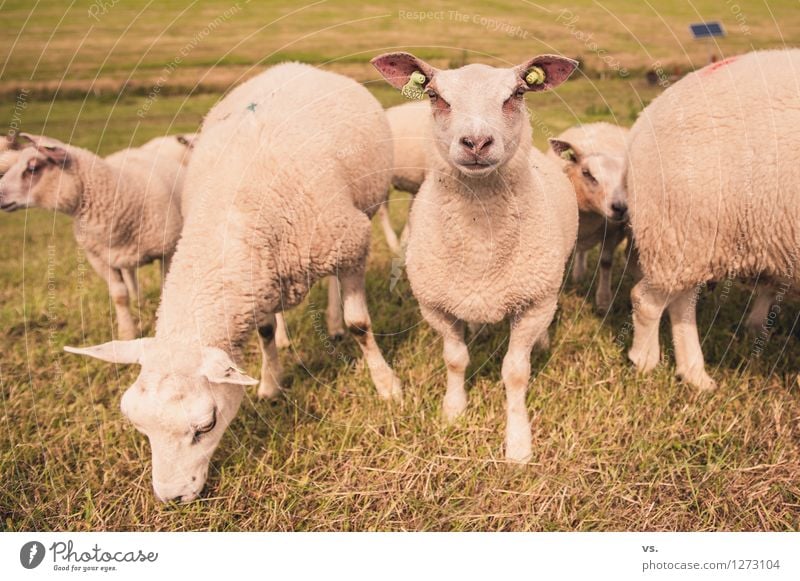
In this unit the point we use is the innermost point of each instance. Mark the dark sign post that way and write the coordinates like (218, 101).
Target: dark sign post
(706, 31)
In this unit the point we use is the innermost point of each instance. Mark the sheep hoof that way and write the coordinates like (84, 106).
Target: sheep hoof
(454, 407)
(391, 390)
(699, 379)
(268, 390)
(645, 361)
(603, 306)
(519, 450)
(336, 336)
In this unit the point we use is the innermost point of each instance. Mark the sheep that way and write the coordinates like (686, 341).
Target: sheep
(284, 178)
(125, 210)
(712, 193)
(411, 136)
(492, 225)
(593, 157)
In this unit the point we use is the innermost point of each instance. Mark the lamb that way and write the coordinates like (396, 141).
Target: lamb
(125, 209)
(593, 157)
(712, 193)
(284, 178)
(411, 136)
(493, 225)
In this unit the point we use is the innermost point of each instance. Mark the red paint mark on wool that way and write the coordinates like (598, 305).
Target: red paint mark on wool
(705, 71)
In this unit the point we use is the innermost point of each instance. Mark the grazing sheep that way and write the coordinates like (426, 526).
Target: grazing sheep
(593, 157)
(411, 135)
(713, 193)
(284, 178)
(492, 225)
(125, 210)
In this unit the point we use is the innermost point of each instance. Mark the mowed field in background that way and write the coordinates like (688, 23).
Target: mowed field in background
(612, 450)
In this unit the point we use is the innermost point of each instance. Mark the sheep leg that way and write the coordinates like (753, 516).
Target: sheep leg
(688, 352)
(281, 336)
(118, 290)
(132, 282)
(166, 262)
(762, 304)
(456, 358)
(603, 295)
(526, 330)
(648, 306)
(388, 230)
(579, 266)
(271, 370)
(356, 316)
(333, 315)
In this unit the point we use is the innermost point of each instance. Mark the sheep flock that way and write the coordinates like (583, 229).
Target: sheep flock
(277, 192)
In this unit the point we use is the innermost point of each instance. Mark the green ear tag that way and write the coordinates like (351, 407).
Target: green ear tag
(414, 88)
(568, 154)
(535, 76)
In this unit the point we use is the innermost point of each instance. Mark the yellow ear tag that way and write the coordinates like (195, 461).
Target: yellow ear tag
(414, 88)
(535, 76)
(568, 154)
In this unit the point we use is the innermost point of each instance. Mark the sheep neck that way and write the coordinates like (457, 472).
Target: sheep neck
(210, 297)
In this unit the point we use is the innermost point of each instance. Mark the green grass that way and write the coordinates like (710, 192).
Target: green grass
(612, 450)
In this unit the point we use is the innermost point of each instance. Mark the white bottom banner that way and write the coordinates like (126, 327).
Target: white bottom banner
(390, 556)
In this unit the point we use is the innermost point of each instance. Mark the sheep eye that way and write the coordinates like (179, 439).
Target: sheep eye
(588, 175)
(433, 95)
(31, 169)
(520, 92)
(200, 430)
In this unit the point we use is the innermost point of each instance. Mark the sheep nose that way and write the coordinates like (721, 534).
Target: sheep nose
(619, 209)
(477, 144)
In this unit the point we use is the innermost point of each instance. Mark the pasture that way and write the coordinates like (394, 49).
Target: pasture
(612, 450)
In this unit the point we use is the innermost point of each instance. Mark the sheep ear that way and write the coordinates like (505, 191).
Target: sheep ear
(556, 69)
(564, 150)
(12, 142)
(50, 148)
(218, 367)
(397, 68)
(114, 351)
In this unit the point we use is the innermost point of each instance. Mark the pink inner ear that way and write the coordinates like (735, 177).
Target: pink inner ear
(396, 67)
(557, 69)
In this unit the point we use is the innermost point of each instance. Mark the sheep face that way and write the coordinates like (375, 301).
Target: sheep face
(38, 178)
(598, 179)
(183, 401)
(479, 114)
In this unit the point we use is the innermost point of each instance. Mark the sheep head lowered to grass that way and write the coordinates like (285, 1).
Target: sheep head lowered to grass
(183, 413)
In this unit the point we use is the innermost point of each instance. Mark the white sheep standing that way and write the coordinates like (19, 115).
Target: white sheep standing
(494, 222)
(126, 210)
(714, 167)
(411, 137)
(593, 158)
(287, 171)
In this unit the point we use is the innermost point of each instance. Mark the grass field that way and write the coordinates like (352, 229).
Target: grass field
(612, 450)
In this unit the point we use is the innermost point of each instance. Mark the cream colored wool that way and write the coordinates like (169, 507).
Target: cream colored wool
(714, 167)
(126, 210)
(411, 136)
(493, 224)
(283, 180)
